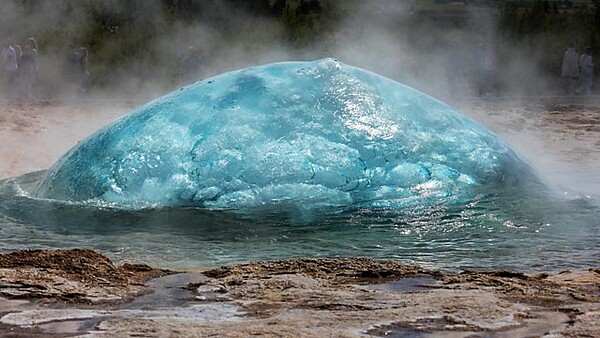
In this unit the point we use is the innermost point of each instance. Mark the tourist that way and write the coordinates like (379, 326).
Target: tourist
(485, 62)
(9, 56)
(18, 82)
(19, 54)
(192, 63)
(570, 69)
(586, 65)
(28, 71)
(71, 72)
(84, 72)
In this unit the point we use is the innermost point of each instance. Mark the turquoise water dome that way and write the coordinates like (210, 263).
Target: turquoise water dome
(290, 138)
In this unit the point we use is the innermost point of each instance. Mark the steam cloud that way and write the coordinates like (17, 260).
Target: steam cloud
(433, 53)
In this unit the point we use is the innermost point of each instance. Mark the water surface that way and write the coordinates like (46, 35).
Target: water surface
(492, 231)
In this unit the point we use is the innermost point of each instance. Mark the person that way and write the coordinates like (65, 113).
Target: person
(29, 69)
(570, 69)
(18, 82)
(71, 65)
(586, 66)
(9, 56)
(485, 62)
(84, 72)
(456, 69)
(192, 63)
(19, 54)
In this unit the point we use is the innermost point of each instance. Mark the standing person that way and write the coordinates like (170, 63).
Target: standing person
(192, 64)
(570, 69)
(84, 72)
(29, 68)
(18, 53)
(9, 56)
(586, 65)
(18, 81)
(71, 65)
(485, 62)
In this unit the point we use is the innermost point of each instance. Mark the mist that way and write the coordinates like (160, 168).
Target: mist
(136, 47)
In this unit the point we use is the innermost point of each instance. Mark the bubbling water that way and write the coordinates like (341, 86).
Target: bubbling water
(506, 229)
(300, 139)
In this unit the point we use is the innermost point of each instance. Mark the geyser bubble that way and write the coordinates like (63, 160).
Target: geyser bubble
(299, 139)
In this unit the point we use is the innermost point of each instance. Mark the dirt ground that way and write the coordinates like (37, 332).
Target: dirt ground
(569, 128)
(81, 293)
(34, 135)
(558, 136)
(78, 276)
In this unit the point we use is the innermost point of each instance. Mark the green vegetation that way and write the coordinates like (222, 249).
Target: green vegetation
(541, 32)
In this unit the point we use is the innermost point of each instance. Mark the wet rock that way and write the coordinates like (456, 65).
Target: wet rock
(301, 297)
(76, 275)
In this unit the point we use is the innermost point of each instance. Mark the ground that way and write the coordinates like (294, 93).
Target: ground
(34, 135)
(80, 292)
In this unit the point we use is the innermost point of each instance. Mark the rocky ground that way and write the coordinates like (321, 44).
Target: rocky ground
(81, 293)
(558, 136)
(71, 276)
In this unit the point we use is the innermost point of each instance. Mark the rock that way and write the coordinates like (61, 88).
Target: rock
(300, 297)
(76, 275)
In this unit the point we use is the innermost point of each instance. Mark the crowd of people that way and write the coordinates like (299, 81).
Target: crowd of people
(76, 69)
(21, 67)
(577, 71)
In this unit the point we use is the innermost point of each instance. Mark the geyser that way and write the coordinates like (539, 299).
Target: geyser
(286, 138)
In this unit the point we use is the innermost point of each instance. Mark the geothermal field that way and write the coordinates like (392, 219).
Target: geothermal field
(299, 168)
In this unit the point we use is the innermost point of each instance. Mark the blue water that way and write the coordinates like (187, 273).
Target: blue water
(299, 159)
(299, 139)
(491, 231)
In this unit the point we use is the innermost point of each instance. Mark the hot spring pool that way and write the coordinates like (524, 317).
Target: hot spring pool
(525, 235)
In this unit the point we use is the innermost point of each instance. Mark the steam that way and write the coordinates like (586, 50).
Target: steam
(437, 55)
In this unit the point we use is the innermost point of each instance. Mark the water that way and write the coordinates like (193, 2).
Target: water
(499, 232)
(300, 139)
